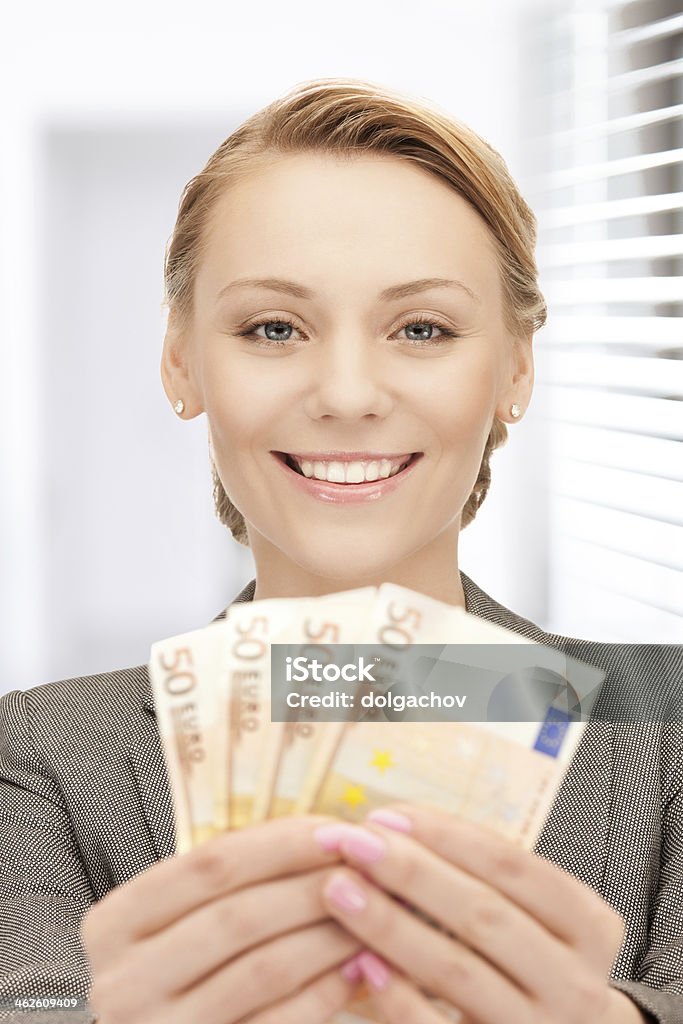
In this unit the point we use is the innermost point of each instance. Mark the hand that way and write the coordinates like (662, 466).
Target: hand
(235, 929)
(527, 942)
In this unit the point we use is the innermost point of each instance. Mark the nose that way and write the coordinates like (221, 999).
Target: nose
(349, 379)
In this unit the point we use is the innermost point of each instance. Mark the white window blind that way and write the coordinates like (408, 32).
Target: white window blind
(609, 196)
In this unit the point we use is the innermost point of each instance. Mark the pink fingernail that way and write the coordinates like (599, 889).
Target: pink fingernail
(351, 970)
(390, 819)
(345, 894)
(374, 970)
(364, 846)
(330, 836)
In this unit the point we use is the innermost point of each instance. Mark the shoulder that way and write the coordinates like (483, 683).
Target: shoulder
(117, 700)
(643, 681)
(80, 706)
(481, 604)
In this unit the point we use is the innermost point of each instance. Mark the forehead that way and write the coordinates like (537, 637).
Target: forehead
(371, 215)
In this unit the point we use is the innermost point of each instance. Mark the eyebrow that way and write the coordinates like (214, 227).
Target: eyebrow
(397, 291)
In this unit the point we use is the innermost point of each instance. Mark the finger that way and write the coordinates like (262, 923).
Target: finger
(314, 1004)
(567, 907)
(252, 981)
(476, 913)
(397, 999)
(217, 932)
(439, 963)
(172, 888)
(263, 975)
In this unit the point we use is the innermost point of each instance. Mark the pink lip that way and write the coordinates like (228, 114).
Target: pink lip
(347, 493)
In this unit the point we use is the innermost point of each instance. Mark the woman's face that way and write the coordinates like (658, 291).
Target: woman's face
(359, 356)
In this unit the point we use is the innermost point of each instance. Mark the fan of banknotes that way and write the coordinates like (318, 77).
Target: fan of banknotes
(232, 762)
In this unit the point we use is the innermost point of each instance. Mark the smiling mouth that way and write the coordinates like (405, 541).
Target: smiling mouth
(344, 473)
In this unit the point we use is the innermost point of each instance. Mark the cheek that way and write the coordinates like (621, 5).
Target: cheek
(228, 428)
(239, 403)
(461, 402)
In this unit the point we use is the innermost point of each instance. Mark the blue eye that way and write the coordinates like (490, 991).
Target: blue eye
(429, 323)
(278, 326)
(282, 324)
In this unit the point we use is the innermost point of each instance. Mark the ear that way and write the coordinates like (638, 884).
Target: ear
(176, 371)
(521, 383)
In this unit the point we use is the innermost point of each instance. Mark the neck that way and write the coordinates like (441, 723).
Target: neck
(432, 571)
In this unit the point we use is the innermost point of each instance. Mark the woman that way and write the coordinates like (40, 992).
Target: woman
(351, 279)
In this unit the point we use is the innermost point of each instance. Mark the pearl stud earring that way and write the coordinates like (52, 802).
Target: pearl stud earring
(179, 406)
(515, 411)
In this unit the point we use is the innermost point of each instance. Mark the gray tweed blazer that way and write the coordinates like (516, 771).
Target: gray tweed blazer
(85, 806)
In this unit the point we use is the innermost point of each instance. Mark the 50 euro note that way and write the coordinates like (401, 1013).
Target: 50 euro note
(244, 694)
(193, 731)
(398, 619)
(504, 775)
(497, 774)
(332, 624)
(263, 751)
(404, 619)
(399, 622)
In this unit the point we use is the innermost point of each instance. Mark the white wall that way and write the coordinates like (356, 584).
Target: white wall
(109, 540)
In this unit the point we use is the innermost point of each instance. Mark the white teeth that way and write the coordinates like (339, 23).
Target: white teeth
(354, 473)
(350, 472)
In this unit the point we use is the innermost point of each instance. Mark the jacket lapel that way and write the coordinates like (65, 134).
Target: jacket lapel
(149, 771)
(576, 830)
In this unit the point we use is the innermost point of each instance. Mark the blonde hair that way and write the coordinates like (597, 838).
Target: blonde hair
(349, 117)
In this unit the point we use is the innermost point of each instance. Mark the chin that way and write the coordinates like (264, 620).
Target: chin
(349, 563)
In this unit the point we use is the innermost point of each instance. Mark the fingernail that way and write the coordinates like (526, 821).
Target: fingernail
(390, 819)
(374, 970)
(329, 837)
(351, 970)
(364, 846)
(345, 894)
